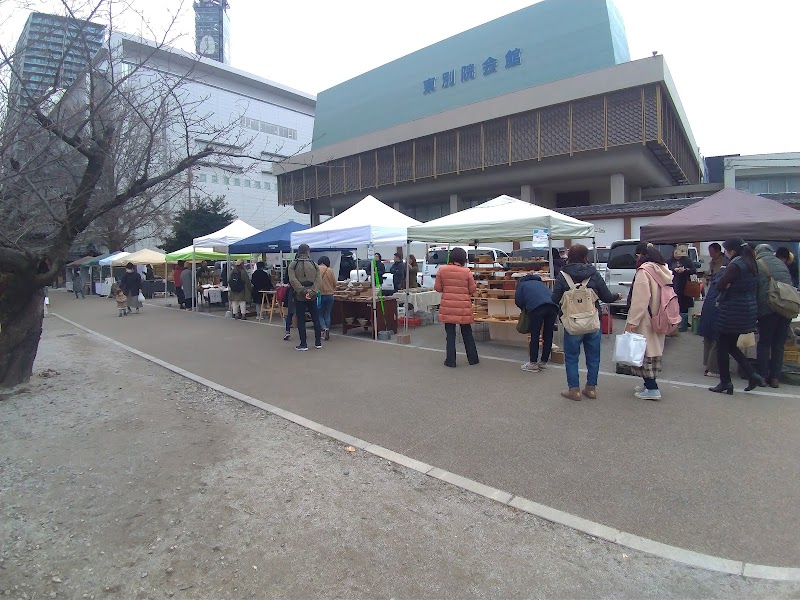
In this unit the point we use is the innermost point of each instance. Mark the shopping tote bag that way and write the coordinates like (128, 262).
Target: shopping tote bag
(629, 349)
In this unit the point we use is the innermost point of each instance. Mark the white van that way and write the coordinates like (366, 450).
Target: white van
(437, 256)
(621, 266)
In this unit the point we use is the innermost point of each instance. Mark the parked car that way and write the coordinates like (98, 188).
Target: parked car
(437, 256)
(621, 267)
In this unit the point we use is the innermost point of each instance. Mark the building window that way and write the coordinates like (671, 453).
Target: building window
(226, 180)
(257, 183)
(266, 185)
(571, 199)
(202, 178)
(214, 179)
(235, 181)
(777, 185)
(269, 128)
(793, 184)
(246, 183)
(757, 186)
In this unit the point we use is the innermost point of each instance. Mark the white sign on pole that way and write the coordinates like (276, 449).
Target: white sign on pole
(540, 238)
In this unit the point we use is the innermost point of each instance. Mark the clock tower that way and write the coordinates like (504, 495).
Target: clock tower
(212, 30)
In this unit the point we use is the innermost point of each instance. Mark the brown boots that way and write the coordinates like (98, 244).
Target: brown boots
(590, 391)
(572, 394)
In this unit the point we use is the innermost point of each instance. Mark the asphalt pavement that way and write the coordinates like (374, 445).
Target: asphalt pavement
(711, 473)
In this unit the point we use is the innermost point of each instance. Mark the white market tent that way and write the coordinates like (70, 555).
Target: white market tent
(367, 223)
(370, 222)
(503, 219)
(108, 261)
(220, 242)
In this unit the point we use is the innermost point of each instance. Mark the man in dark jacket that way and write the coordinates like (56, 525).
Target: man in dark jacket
(261, 282)
(306, 281)
(534, 298)
(131, 285)
(772, 327)
(398, 271)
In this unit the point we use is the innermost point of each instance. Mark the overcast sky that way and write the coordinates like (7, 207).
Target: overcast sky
(734, 63)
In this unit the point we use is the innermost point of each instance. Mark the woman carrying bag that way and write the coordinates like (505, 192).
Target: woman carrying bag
(652, 274)
(737, 312)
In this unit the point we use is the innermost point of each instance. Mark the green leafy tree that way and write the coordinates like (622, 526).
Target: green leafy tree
(206, 216)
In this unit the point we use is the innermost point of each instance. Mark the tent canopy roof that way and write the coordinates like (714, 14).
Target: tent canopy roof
(109, 260)
(370, 221)
(727, 213)
(276, 239)
(199, 254)
(93, 262)
(503, 219)
(80, 261)
(141, 257)
(230, 234)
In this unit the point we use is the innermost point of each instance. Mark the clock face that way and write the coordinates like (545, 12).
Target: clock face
(207, 46)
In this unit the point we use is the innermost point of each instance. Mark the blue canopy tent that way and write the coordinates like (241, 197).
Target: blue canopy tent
(277, 239)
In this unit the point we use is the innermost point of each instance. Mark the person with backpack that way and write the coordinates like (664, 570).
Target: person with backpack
(737, 307)
(578, 290)
(654, 312)
(306, 281)
(239, 290)
(773, 327)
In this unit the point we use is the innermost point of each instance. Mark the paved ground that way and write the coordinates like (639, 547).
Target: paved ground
(119, 479)
(711, 473)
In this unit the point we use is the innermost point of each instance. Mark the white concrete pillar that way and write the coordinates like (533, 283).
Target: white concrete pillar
(729, 175)
(617, 182)
(527, 194)
(455, 203)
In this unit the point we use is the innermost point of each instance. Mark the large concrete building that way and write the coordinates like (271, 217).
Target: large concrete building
(52, 51)
(276, 122)
(542, 104)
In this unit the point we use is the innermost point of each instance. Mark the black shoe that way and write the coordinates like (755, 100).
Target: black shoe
(722, 388)
(447, 364)
(755, 381)
(474, 363)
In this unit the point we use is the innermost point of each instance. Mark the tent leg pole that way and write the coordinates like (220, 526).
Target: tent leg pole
(194, 281)
(408, 286)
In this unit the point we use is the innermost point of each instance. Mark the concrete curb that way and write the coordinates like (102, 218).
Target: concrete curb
(621, 538)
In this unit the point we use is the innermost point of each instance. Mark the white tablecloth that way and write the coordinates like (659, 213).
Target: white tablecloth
(422, 301)
(214, 294)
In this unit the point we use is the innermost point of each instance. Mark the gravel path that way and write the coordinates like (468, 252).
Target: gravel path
(119, 479)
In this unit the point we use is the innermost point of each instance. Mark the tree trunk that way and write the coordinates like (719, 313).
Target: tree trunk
(19, 341)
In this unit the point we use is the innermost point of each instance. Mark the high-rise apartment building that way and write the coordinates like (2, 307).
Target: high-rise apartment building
(51, 52)
(212, 30)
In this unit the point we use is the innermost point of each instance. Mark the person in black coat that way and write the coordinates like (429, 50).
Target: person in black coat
(398, 271)
(708, 326)
(131, 285)
(261, 282)
(682, 270)
(737, 309)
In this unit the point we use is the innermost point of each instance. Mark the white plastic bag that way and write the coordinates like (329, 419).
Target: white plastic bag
(629, 349)
(141, 298)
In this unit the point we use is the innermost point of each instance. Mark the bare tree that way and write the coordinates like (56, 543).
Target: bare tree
(105, 151)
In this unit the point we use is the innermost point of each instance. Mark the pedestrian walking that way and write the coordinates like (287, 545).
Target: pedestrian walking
(306, 281)
(328, 285)
(737, 306)
(122, 303)
(652, 276)
(239, 290)
(682, 270)
(77, 283)
(176, 279)
(187, 285)
(708, 326)
(535, 299)
(576, 275)
(456, 285)
(288, 302)
(131, 285)
(773, 328)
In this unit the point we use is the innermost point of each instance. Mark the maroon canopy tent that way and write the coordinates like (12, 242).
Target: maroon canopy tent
(726, 214)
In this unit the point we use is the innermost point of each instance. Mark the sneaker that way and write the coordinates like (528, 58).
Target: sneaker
(649, 395)
(137, 311)
(287, 335)
(318, 346)
(542, 366)
(301, 348)
(530, 367)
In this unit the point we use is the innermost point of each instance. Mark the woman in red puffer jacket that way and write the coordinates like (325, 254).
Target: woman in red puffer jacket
(456, 284)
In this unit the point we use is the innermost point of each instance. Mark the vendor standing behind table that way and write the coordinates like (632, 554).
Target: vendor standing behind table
(413, 271)
(398, 271)
(204, 274)
(682, 270)
(262, 282)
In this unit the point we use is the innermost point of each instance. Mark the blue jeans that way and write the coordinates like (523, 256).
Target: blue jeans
(326, 306)
(572, 353)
